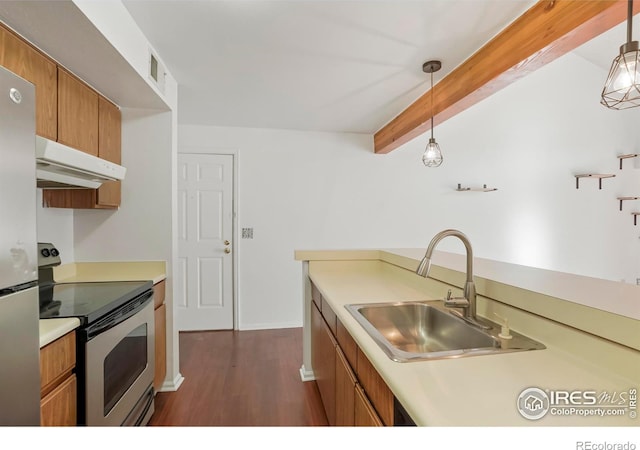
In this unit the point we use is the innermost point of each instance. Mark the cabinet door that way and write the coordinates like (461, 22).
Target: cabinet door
(77, 114)
(59, 407)
(324, 363)
(108, 196)
(57, 360)
(21, 58)
(109, 148)
(161, 347)
(377, 390)
(365, 415)
(345, 391)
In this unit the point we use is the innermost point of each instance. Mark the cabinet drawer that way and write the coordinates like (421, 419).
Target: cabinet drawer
(316, 296)
(58, 408)
(347, 344)
(57, 360)
(329, 317)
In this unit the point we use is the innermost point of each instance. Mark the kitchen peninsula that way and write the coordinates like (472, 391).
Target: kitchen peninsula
(592, 344)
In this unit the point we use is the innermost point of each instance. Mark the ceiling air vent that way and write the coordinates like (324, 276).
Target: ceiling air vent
(156, 71)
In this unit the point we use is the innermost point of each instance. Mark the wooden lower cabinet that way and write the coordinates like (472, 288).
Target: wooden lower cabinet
(324, 363)
(352, 391)
(59, 407)
(345, 391)
(377, 390)
(160, 324)
(161, 347)
(365, 414)
(58, 383)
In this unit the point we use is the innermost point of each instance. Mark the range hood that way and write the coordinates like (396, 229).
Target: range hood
(61, 167)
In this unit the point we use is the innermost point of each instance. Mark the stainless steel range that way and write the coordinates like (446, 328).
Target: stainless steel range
(115, 342)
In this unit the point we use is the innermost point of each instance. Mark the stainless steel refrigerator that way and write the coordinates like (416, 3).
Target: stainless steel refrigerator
(19, 310)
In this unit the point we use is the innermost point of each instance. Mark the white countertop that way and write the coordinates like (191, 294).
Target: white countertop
(52, 329)
(478, 390)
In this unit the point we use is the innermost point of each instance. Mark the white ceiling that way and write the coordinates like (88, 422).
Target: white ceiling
(325, 65)
(312, 64)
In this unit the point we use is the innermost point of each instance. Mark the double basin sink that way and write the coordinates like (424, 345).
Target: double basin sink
(418, 331)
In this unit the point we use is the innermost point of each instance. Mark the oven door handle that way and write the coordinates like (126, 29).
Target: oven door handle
(118, 316)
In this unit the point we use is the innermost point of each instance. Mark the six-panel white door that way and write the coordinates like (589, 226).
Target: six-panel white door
(205, 235)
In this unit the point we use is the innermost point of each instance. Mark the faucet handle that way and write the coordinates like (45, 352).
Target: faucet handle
(455, 302)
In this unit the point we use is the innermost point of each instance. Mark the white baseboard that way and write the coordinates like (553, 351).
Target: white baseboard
(269, 326)
(173, 385)
(306, 375)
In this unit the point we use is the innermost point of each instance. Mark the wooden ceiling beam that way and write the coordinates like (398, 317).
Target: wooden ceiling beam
(549, 29)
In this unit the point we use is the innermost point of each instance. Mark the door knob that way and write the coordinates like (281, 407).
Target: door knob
(226, 242)
(227, 250)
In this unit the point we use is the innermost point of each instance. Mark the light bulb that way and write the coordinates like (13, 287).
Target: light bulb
(432, 156)
(622, 88)
(625, 75)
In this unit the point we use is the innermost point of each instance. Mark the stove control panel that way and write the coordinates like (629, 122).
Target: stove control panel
(48, 255)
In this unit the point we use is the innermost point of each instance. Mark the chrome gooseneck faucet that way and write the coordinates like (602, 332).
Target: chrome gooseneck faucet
(469, 301)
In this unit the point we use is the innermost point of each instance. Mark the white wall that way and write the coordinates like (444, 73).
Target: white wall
(139, 229)
(304, 190)
(55, 225)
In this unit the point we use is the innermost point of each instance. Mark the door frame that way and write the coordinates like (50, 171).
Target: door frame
(235, 155)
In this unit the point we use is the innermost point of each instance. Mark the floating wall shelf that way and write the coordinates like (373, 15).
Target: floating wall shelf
(600, 176)
(626, 198)
(630, 155)
(484, 188)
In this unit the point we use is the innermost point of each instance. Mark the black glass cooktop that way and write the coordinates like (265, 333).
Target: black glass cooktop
(87, 301)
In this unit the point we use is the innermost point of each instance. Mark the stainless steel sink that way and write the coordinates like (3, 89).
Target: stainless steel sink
(414, 331)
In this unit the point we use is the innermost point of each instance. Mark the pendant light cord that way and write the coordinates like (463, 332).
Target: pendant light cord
(629, 20)
(432, 104)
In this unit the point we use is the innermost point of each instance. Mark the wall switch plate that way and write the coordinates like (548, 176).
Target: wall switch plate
(247, 233)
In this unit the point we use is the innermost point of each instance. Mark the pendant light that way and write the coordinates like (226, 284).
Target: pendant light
(432, 156)
(622, 89)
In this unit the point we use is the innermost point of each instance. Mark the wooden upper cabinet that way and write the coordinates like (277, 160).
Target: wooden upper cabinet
(21, 58)
(71, 112)
(77, 113)
(109, 148)
(108, 133)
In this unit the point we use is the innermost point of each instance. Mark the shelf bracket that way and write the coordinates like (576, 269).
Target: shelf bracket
(635, 217)
(623, 157)
(599, 176)
(484, 188)
(626, 198)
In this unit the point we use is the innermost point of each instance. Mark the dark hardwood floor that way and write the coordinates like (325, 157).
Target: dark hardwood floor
(241, 378)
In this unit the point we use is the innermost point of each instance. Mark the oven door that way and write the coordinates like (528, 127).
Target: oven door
(119, 369)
